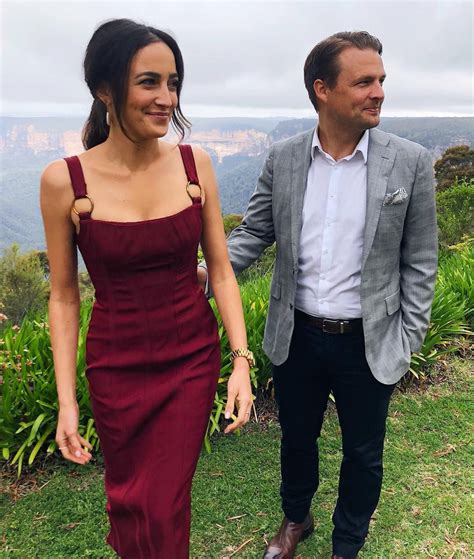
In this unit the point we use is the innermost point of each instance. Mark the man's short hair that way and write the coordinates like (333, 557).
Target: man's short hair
(322, 61)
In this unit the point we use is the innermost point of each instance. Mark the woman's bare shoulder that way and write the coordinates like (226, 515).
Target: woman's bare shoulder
(55, 177)
(200, 155)
(203, 162)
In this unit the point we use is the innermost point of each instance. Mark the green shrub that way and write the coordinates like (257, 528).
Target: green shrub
(231, 221)
(456, 163)
(447, 323)
(452, 311)
(261, 267)
(455, 213)
(456, 275)
(23, 285)
(28, 411)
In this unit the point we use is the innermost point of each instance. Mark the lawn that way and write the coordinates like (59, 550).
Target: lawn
(425, 510)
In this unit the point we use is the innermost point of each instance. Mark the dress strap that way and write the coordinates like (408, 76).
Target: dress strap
(190, 168)
(78, 184)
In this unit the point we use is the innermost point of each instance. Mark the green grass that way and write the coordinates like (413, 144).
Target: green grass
(425, 509)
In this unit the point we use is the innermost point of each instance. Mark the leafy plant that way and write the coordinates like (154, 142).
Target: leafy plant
(457, 162)
(456, 276)
(23, 285)
(447, 323)
(28, 411)
(455, 212)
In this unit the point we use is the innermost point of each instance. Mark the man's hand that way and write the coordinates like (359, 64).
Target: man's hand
(202, 277)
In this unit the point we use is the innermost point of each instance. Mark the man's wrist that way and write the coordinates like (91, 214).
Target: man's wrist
(203, 266)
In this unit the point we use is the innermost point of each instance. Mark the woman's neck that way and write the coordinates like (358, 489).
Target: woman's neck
(135, 156)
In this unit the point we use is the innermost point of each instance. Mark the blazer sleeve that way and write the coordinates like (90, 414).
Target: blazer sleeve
(247, 241)
(419, 254)
(256, 232)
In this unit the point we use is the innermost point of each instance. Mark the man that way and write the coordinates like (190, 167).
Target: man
(352, 212)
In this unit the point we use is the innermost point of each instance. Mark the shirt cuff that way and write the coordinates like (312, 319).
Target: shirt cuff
(206, 287)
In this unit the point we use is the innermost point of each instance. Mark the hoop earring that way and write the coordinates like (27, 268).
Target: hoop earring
(107, 119)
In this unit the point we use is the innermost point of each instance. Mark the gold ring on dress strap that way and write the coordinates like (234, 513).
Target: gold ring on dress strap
(74, 205)
(193, 184)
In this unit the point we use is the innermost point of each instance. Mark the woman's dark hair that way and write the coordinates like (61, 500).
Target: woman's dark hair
(107, 63)
(322, 61)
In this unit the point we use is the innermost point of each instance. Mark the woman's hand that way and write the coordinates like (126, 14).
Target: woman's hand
(69, 442)
(239, 391)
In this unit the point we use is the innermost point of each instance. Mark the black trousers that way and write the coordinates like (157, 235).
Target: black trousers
(319, 363)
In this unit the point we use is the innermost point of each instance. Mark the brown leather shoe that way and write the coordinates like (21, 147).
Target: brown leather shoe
(283, 545)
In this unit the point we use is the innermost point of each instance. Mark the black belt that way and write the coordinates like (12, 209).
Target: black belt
(331, 325)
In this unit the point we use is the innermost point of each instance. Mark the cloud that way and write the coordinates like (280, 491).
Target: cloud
(242, 54)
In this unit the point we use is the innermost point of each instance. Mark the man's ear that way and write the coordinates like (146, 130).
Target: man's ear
(320, 89)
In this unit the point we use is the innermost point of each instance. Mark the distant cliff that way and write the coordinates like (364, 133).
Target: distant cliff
(237, 147)
(435, 134)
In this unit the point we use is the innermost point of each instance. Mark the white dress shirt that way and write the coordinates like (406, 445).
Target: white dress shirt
(332, 235)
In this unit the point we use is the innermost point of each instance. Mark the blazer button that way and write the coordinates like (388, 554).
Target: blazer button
(291, 306)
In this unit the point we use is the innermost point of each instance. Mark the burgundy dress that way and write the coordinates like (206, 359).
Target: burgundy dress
(153, 361)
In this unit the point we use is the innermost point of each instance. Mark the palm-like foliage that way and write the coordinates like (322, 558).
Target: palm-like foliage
(28, 411)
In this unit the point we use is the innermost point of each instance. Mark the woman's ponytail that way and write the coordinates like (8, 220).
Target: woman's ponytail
(96, 129)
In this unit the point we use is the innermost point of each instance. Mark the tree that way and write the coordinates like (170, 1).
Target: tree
(23, 287)
(455, 210)
(42, 256)
(456, 164)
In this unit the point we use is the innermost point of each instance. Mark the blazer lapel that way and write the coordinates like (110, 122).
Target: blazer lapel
(380, 160)
(300, 161)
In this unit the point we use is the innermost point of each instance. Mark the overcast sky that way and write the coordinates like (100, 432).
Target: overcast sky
(242, 58)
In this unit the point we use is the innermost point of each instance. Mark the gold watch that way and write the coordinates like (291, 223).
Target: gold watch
(241, 352)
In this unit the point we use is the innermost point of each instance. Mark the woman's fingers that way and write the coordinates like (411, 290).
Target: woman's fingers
(242, 418)
(240, 390)
(229, 408)
(71, 449)
(85, 443)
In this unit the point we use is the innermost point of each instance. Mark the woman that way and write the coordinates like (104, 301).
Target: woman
(137, 207)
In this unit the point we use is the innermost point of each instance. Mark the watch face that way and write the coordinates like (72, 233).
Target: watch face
(252, 359)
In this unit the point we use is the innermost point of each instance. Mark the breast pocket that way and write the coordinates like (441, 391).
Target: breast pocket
(394, 211)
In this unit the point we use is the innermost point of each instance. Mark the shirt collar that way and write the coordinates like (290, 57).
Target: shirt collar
(362, 146)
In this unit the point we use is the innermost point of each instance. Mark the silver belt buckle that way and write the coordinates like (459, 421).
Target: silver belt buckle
(333, 321)
(341, 324)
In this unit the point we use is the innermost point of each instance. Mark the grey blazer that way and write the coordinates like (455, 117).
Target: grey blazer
(399, 259)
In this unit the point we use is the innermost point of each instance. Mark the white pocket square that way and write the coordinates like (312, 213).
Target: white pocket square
(397, 197)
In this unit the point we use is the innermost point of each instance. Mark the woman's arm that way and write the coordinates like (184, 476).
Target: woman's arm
(56, 199)
(225, 289)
